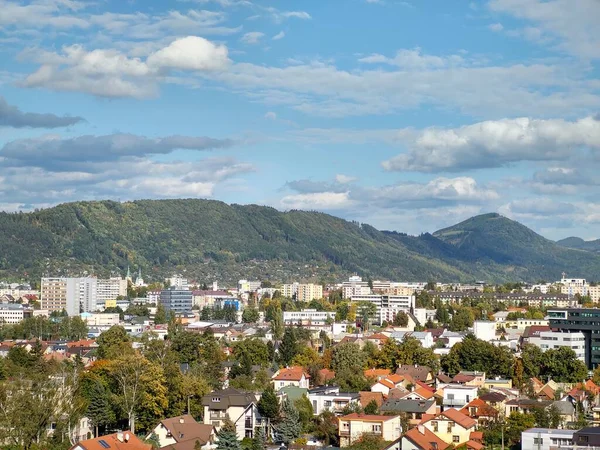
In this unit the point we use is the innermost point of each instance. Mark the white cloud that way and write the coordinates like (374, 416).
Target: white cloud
(496, 27)
(190, 53)
(40, 15)
(111, 73)
(252, 37)
(495, 144)
(413, 59)
(279, 36)
(344, 179)
(574, 25)
(317, 200)
(271, 115)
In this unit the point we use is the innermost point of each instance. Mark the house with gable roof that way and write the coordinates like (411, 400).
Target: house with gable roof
(175, 430)
(451, 426)
(239, 406)
(291, 376)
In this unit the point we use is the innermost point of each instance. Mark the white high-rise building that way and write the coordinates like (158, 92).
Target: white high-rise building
(179, 282)
(110, 289)
(75, 295)
(355, 286)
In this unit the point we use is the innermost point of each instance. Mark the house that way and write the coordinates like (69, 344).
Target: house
(498, 383)
(238, 405)
(417, 373)
(117, 441)
(414, 409)
(378, 339)
(329, 398)
(353, 426)
(457, 395)
(377, 374)
(384, 385)
(421, 438)
(291, 376)
(417, 394)
(367, 397)
(565, 409)
(451, 426)
(547, 438)
(325, 376)
(182, 429)
(469, 378)
(480, 411)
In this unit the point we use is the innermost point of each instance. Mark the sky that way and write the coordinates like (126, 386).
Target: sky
(407, 115)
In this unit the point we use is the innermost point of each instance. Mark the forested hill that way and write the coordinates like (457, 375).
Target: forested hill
(207, 240)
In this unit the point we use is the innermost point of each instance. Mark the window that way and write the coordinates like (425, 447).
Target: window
(455, 438)
(376, 428)
(539, 441)
(216, 399)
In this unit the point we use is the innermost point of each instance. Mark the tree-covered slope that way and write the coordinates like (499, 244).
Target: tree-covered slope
(580, 244)
(209, 240)
(515, 249)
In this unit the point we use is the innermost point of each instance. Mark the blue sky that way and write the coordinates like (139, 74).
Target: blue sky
(408, 115)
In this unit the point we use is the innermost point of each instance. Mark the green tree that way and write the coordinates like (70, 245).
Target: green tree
(401, 319)
(277, 327)
(259, 442)
(516, 423)
(113, 343)
(161, 315)
(372, 407)
(100, 410)
(462, 320)
(289, 427)
(305, 412)
(250, 315)
(227, 437)
(347, 356)
(268, 405)
(289, 347)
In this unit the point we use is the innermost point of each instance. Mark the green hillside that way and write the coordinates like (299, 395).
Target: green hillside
(208, 240)
(580, 244)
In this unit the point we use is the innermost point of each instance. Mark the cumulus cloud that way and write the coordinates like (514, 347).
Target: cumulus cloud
(252, 37)
(496, 144)
(279, 36)
(190, 53)
(317, 200)
(12, 116)
(56, 153)
(414, 59)
(111, 73)
(344, 179)
(496, 27)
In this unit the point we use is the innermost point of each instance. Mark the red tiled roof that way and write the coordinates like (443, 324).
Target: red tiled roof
(326, 375)
(291, 374)
(458, 417)
(134, 443)
(380, 336)
(425, 439)
(473, 445)
(366, 397)
(376, 373)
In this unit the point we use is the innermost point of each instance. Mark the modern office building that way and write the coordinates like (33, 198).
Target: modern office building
(580, 320)
(176, 300)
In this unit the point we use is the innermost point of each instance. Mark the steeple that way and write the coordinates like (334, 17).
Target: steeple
(128, 276)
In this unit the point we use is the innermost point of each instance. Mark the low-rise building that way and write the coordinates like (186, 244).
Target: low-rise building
(353, 426)
(451, 426)
(291, 376)
(546, 438)
(175, 430)
(421, 438)
(329, 398)
(457, 395)
(239, 406)
(308, 317)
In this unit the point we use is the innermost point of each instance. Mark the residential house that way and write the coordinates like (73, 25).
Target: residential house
(565, 409)
(353, 426)
(417, 373)
(480, 411)
(329, 398)
(421, 438)
(184, 428)
(291, 376)
(498, 383)
(587, 437)
(418, 394)
(451, 426)
(414, 409)
(367, 397)
(496, 400)
(378, 339)
(457, 395)
(469, 378)
(325, 376)
(384, 385)
(238, 405)
(117, 441)
(377, 374)
(547, 439)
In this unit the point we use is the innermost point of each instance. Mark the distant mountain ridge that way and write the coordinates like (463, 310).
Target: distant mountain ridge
(209, 240)
(580, 244)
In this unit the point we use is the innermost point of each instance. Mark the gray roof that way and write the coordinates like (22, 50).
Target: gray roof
(409, 406)
(564, 408)
(228, 397)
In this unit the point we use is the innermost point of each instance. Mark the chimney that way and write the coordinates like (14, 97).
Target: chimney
(126, 437)
(181, 420)
(421, 429)
(120, 437)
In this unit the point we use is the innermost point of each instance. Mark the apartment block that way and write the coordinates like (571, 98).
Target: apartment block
(308, 317)
(302, 292)
(109, 289)
(353, 426)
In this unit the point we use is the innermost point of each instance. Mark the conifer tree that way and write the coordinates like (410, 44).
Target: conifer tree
(290, 427)
(227, 437)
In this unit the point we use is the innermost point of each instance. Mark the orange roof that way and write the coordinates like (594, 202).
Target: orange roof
(367, 417)
(476, 435)
(387, 383)
(82, 343)
(366, 397)
(482, 409)
(376, 373)
(396, 378)
(473, 445)
(380, 336)
(113, 441)
(326, 375)
(458, 417)
(425, 386)
(425, 393)
(424, 439)
(294, 373)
